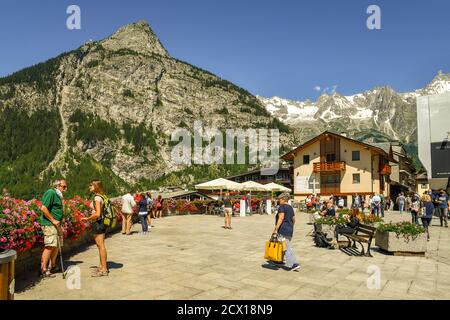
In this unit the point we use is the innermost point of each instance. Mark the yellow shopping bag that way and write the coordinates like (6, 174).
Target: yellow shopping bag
(274, 250)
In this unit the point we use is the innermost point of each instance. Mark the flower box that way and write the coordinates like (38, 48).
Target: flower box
(400, 243)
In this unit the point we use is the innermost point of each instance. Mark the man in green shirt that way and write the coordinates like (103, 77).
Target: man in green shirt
(52, 213)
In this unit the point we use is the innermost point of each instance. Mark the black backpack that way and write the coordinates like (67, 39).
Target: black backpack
(321, 241)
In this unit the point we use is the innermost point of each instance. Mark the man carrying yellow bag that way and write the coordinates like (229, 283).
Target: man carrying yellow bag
(284, 229)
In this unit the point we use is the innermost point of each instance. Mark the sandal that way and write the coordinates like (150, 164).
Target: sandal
(100, 273)
(47, 274)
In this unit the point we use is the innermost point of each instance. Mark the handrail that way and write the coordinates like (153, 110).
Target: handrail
(329, 166)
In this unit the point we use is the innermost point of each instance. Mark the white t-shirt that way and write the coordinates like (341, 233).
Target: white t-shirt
(96, 199)
(128, 203)
(376, 200)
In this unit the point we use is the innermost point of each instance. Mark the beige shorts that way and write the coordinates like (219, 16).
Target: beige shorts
(51, 236)
(228, 211)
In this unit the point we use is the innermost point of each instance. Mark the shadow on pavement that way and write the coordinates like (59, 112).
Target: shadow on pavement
(354, 252)
(31, 279)
(272, 266)
(114, 265)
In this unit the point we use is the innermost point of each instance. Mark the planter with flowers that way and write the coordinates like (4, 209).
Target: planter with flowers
(401, 238)
(170, 207)
(200, 205)
(185, 207)
(370, 219)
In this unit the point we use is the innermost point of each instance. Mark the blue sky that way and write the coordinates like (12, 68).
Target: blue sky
(283, 48)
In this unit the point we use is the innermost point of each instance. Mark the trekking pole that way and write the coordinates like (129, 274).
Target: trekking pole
(60, 257)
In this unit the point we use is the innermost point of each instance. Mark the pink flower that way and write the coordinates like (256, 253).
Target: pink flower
(3, 239)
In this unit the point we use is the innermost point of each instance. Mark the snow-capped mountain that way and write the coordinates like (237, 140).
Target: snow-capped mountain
(380, 110)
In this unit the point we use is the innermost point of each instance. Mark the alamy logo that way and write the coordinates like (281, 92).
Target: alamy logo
(374, 279)
(73, 278)
(374, 20)
(206, 146)
(74, 20)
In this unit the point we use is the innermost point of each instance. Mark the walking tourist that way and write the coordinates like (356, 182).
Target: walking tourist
(408, 202)
(97, 226)
(401, 202)
(376, 204)
(284, 226)
(443, 201)
(415, 207)
(356, 201)
(50, 220)
(143, 213)
(341, 203)
(159, 206)
(228, 210)
(318, 202)
(427, 203)
(363, 204)
(308, 202)
(149, 209)
(128, 204)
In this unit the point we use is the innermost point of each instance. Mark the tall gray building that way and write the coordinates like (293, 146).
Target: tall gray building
(433, 126)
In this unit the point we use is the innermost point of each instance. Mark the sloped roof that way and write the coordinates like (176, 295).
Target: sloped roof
(386, 146)
(290, 155)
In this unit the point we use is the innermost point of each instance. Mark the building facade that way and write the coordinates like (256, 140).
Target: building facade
(433, 138)
(283, 177)
(333, 164)
(422, 183)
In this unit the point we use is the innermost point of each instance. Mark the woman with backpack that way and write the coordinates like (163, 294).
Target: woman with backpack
(159, 206)
(98, 226)
(415, 207)
(427, 209)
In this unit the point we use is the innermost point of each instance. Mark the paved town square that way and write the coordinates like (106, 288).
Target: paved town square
(193, 257)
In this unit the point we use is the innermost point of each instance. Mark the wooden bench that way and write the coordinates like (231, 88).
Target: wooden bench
(363, 233)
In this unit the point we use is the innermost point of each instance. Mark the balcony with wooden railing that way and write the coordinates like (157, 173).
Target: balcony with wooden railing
(386, 170)
(328, 166)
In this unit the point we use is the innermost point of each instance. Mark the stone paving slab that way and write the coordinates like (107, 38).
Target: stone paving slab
(192, 257)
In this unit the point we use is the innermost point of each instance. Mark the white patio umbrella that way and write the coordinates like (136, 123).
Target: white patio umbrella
(252, 186)
(219, 184)
(274, 187)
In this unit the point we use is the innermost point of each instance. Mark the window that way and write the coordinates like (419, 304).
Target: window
(331, 157)
(356, 156)
(356, 178)
(424, 186)
(306, 159)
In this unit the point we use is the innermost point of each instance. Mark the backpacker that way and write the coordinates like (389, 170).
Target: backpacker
(109, 215)
(321, 240)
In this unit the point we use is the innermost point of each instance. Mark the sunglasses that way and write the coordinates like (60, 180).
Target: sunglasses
(64, 187)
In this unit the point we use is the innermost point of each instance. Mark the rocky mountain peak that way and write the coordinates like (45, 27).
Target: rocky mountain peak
(439, 84)
(138, 37)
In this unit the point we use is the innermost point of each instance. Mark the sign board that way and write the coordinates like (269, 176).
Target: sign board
(434, 134)
(440, 159)
(306, 184)
(269, 206)
(242, 209)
